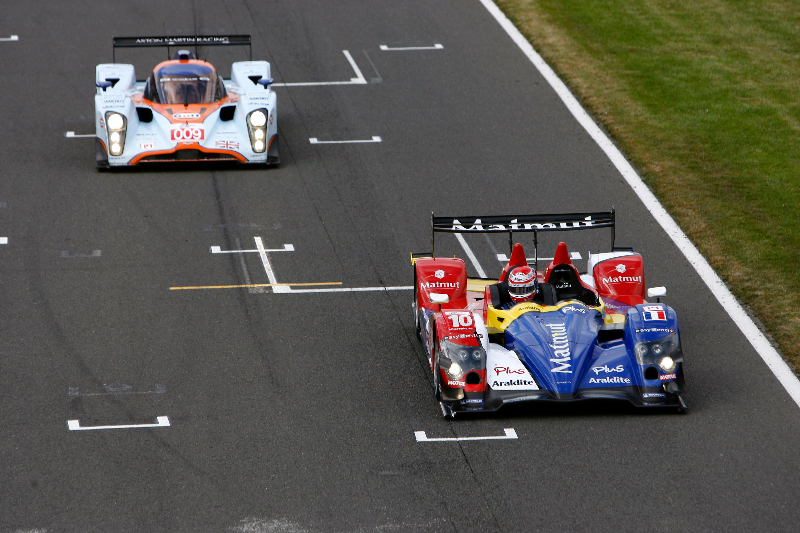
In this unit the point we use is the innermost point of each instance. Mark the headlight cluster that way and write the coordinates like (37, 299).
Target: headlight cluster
(116, 126)
(664, 352)
(257, 126)
(457, 359)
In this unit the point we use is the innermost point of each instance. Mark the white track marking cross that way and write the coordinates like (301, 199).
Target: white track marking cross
(358, 80)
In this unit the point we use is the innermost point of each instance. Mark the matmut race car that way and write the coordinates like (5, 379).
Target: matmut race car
(580, 337)
(184, 110)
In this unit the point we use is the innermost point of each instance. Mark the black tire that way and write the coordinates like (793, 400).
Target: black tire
(437, 386)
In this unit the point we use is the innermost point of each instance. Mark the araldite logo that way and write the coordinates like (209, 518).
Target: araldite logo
(454, 383)
(560, 347)
(507, 370)
(187, 132)
(654, 312)
(615, 380)
(514, 383)
(667, 377)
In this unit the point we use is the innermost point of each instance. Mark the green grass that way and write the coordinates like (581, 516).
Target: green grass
(704, 97)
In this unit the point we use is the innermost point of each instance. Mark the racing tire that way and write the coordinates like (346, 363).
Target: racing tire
(415, 307)
(437, 386)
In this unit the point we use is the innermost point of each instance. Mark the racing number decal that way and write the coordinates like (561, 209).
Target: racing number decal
(187, 133)
(463, 321)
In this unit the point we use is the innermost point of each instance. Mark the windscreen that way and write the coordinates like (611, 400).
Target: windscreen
(187, 83)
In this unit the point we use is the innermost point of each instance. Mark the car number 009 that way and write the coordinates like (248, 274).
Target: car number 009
(187, 134)
(461, 320)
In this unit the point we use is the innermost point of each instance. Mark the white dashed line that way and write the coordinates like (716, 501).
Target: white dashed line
(436, 46)
(73, 135)
(75, 425)
(422, 437)
(12, 38)
(375, 139)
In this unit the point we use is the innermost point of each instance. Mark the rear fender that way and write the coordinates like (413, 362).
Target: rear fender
(619, 276)
(441, 275)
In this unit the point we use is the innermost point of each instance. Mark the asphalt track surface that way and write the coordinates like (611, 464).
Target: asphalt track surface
(296, 412)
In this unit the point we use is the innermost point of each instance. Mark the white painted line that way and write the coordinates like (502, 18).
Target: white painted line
(3, 240)
(110, 390)
(75, 425)
(575, 256)
(72, 134)
(95, 253)
(728, 301)
(375, 139)
(12, 38)
(268, 268)
(436, 46)
(471, 256)
(422, 437)
(352, 289)
(218, 250)
(358, 80)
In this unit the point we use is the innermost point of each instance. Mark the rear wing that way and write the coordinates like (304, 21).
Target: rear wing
(521, 223)
(173, 41)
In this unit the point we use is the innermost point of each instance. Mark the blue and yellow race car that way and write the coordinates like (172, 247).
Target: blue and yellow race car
(545, 335)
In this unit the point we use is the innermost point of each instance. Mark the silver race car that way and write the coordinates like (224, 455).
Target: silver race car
(184, 110)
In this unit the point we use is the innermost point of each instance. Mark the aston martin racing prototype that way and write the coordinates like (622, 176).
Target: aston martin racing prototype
(184, 110)
(549, 335)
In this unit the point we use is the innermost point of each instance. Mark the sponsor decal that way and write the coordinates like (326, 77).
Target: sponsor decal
(607, 370)
(573, 309)
(654, 312)
(271, 118)
(472, 400)
(560, 347)
(439, 274)
(187, 132)
(462, 336)
(615, 379)
(622, 279)
(228, 145)
(438, 285)
(654, 395)
(621, 268)
(667, 377)
(102, 123)
(186, 116)
(477, 225)
(660, 330)
(508, 370)
(513, 383)
(456, 383)
(460, 319)
(147, 146)
(181, 40)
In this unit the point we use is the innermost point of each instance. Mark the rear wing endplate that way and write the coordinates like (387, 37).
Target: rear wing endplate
(189, 40)
(522, 223)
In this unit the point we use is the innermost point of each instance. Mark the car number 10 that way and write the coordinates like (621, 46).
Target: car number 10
(463, 321)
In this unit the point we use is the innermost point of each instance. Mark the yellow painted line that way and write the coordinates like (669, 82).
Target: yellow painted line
(254, 285)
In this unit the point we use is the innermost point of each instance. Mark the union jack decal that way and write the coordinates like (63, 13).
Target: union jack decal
(228, 145)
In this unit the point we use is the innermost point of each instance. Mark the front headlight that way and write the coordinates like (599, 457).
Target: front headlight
(667, 364)
(116, 126)
(455, 371)
(257, 126)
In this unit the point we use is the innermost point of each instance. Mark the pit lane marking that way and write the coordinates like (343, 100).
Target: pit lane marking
(375, 139)
(436, 46)
(721, 292)
(422, 437)
(503, 258)
(358, 80)
(12, 38)
(162, 421)
(73, 135)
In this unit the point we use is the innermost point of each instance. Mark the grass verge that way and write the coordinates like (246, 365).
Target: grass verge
(703, 96)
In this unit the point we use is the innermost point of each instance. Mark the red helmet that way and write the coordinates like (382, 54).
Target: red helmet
(521, 284)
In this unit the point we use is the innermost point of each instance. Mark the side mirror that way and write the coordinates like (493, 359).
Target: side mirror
(656, 292)
(266, 82)
(437, 298)
(103, 84)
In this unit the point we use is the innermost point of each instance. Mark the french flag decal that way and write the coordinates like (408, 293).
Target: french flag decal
(654, 312)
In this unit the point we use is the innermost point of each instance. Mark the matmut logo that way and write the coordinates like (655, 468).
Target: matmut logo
(438, 285)
(622, 279)
(560, 348)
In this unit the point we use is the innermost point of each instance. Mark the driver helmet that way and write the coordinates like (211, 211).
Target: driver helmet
(521, 284)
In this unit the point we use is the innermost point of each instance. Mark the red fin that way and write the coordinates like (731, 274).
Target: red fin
(562, 255)
(517, 259)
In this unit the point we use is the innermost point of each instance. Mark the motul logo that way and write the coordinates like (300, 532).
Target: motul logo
(623, 279)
